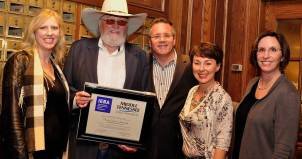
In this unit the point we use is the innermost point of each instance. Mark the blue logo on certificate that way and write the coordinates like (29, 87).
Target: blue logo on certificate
(103, 104)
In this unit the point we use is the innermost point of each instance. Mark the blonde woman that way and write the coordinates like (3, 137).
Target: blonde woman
(35, 111)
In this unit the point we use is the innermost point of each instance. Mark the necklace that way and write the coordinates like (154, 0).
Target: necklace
(261, 85)
(198, 96)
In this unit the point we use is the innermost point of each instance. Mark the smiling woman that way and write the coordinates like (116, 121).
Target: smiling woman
(206, 118)
(47, 36)
(271, 104)
(35, 113)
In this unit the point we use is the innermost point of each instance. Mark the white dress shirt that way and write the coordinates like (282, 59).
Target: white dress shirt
(111, 67)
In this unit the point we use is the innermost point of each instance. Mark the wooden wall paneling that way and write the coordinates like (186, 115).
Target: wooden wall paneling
(234, 48)
(154, 8)
(197, 18)
(78, 21)
(90, 2)
(203, 21)
(215, 24)
(206, 23)
(155, 5)
(252, 30)
(133, 9)
(208, 20)
(186, 22)
(220, 23)
(277, 10)
(242, 29)
(269, 18)
(158, 5)
(219, 32)
(262, 17)
(176, 15)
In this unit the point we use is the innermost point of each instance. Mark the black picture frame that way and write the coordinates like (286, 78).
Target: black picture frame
(147, 97)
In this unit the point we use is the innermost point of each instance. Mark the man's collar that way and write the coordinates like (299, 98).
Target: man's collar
(155, 59)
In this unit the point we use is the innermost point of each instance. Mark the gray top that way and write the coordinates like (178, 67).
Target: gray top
(272, 124)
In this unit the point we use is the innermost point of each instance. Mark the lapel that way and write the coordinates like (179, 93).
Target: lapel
(62, 79)
(91, 61)
(131, 63)
(179, 70)
(178, 73)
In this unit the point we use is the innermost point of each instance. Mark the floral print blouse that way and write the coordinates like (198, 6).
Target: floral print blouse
(208, 125)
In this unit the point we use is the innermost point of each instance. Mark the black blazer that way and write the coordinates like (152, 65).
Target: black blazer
(166, 139)
(81, 67)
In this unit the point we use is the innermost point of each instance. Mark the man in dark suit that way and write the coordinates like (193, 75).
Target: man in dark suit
(172, 78)
(109, 61)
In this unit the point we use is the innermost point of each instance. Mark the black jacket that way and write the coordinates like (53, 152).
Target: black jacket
(81, 66)
(166, 140)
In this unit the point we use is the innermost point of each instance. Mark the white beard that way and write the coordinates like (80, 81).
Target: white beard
(113, 40)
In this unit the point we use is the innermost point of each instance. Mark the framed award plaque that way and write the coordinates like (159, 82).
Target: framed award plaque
(116, 116)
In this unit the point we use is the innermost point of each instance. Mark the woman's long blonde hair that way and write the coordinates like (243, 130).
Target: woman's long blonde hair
(30, 39)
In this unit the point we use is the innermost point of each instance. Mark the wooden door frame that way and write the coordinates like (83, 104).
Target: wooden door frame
(274, 11)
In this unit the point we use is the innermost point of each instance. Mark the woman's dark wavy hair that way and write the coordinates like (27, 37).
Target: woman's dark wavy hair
(284, 50)
(208, 50)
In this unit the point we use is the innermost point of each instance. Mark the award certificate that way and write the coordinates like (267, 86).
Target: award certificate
(117, 116)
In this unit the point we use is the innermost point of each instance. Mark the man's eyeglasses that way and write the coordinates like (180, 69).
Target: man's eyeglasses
(272, 50)
(113, 21)
(159, 36)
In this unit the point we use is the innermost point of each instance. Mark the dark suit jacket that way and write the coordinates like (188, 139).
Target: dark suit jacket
(166, 140)
(81, 67)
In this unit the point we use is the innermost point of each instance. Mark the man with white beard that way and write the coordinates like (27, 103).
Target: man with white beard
(108, 61)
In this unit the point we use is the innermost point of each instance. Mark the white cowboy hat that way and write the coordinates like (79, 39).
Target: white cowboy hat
(90, 16)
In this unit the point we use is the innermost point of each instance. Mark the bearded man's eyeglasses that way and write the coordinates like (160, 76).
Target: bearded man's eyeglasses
(113, 21)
